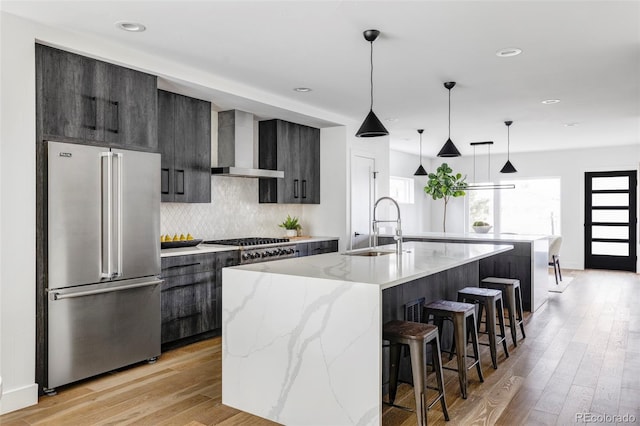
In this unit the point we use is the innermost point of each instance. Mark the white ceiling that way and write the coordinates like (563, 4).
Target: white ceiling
(587, 54)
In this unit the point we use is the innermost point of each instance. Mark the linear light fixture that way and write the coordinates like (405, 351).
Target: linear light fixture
(473, 186)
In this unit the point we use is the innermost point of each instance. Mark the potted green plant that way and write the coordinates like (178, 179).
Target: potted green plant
(443, 184)
(291, 225)
(481, 226)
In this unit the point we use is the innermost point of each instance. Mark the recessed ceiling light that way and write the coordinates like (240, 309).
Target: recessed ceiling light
(302, 89)
(550, 101)
(133, 27)
(571, 124)
(508, 51)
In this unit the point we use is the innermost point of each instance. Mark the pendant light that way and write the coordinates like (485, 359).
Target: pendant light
(508, 167)
(421, 171)
(371, 126)
(449, 149)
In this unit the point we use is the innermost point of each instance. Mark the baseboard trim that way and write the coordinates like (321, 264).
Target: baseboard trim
(16, 399)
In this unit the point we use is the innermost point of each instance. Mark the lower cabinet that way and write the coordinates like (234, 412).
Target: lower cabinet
(192, 294)
(316, 247)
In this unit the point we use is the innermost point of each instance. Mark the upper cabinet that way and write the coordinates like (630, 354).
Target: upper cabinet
(294, 149)
(83, 100)
(184, 140)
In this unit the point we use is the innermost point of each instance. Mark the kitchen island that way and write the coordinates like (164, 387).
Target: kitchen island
(302, 338)
(527, 262)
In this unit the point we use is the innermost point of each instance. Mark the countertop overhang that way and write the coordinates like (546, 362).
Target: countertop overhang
(420, 259)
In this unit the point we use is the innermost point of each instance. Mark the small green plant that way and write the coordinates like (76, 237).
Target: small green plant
(480, 223)
(290, 223)
(444, 184)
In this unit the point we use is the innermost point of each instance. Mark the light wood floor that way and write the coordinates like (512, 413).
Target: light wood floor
(581, 355)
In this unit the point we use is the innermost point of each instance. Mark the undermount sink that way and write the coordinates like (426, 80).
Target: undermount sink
(369, 253)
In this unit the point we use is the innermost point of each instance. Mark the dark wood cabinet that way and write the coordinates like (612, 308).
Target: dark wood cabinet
(316, 247)
(84, 100)
(184, 140)
(294, 149)
(192, 294)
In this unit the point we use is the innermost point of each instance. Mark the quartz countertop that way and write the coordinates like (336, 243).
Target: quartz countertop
(212, 248)
(418, 260)
(473, 236)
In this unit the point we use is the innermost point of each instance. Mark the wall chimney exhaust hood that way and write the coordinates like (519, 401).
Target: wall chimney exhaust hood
(236, 147)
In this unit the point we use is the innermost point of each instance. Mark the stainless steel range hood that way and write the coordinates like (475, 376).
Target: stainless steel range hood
(236, 147)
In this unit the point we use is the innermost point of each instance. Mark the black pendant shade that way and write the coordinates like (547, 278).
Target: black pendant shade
(449, 149)
(421, 171)
(508, 167)
(371, 126)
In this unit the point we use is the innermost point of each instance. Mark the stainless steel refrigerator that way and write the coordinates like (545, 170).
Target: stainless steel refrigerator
(103, 227)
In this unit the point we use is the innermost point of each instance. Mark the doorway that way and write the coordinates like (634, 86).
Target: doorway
(362, 199)
(610, 220)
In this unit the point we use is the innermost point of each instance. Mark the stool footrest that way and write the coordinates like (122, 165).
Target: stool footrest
(411, 410)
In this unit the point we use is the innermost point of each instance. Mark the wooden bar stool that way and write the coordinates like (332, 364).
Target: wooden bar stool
(416, 335)
(491, 300)
(463, 316)
(513, 300)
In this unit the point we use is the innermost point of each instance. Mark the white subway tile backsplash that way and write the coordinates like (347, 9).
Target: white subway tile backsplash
(234, 211)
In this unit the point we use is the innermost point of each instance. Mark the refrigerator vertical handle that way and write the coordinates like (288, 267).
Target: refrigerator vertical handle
(119, 166)
(106, 162)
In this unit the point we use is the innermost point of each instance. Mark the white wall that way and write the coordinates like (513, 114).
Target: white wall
(416, 217)
(17, 177)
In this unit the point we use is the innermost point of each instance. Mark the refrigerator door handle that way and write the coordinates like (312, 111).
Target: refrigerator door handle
(107, 213)
(60, 296)
(119, 165)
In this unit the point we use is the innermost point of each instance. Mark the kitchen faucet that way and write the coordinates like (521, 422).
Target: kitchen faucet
(398, 236)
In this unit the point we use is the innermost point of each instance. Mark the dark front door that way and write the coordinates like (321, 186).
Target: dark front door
(610, 220)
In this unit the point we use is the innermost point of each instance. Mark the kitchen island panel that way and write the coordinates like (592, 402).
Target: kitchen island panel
(299, 345)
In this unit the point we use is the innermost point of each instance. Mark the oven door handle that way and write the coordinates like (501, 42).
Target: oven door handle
(55, 295)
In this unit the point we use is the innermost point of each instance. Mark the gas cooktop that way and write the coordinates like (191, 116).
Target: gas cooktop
(259, 249)
(247, 242)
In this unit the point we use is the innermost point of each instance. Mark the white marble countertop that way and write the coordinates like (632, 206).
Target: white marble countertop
(212, 248)
(471, 236)
(419, 260)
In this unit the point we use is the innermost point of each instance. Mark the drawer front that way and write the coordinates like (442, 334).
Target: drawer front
(321, 247)
(189, 264)
(189, 305)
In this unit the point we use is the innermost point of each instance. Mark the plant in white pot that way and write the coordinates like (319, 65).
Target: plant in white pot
(291, 226)
(444, 184)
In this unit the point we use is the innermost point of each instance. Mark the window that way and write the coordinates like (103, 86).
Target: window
(533, 207)
(401, 189)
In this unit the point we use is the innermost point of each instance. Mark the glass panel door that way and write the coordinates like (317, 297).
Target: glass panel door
(610, 220)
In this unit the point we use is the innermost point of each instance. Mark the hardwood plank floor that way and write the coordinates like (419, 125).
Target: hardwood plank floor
(581, 355)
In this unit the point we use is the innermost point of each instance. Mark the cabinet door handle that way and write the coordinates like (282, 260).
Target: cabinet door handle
(94, 102)
(295, 188)
(164, 181)
(117, 108)
(186, 265)
(179, 182)
(304, 188)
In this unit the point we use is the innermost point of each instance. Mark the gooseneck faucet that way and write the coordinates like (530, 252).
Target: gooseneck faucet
(376, 230)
